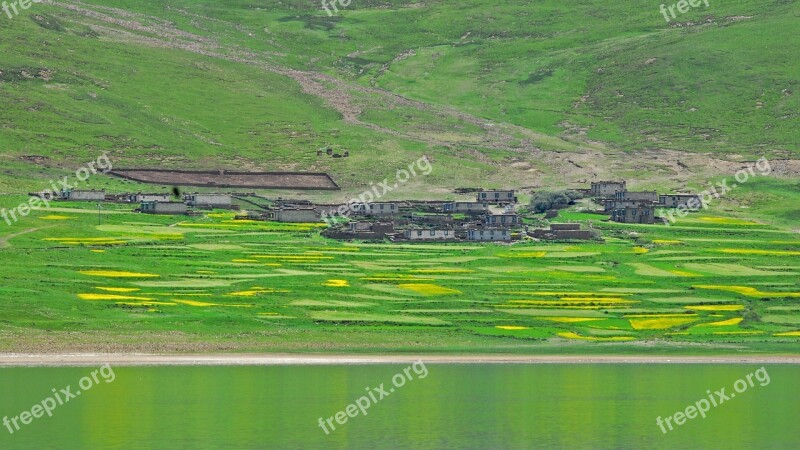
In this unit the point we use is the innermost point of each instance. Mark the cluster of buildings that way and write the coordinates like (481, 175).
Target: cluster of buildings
(153, 203)
(636, 206)
(490, 217)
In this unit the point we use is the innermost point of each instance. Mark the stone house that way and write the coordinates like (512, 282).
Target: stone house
(294, 215)
(83, 195)
(138, 198)
(431, 234)
(376, 209)
(501, 220)
(565, 231)
(606, 189)
(465, 208)
(643, 196)
(497, 196)
(366, 231)
(209, 200)
(375, 227)
(489, 234)
(678, 200)
(163, 208)
(642, 213)
(612, 204)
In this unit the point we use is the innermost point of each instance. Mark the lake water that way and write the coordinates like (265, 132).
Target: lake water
(438, 406)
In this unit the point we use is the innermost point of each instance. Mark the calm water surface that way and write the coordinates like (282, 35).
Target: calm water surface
(454, 406)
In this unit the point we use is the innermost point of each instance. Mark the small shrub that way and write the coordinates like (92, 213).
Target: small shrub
(48, 22)
(544, 201)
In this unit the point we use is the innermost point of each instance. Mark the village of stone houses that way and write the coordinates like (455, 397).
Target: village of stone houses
(481, 215)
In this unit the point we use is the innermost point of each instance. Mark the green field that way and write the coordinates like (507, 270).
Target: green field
(209, 283)
(530, 95)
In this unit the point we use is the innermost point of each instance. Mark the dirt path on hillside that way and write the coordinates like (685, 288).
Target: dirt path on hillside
(4, 239)
(128, 27)
(117, 359)
(161, 33)
(586, 160)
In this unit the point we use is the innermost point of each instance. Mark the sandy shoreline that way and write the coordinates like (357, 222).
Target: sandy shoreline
(119, 359)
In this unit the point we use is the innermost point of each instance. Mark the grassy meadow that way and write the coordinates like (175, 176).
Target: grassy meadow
(509, 94)
(122, 281)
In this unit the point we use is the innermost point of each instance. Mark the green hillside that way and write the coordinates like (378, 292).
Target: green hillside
(508, 93)
(536, 96)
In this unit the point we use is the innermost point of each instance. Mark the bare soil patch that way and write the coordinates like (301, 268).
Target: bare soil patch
(228, 179)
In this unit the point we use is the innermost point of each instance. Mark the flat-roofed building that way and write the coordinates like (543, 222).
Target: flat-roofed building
(377, 227)
(139, 197)
(79, 195)
(489, 234)
(497, 196)
(465, 208)
(563, 231)
(174, 208)
(678, 200)
(431, 234)
(611, 204)
(376, 209)
(501, 220)
(642, 213)
(606, 189)
(362, 230)
(565, 226)
(644, 196)
(209, 200)
(294, 215)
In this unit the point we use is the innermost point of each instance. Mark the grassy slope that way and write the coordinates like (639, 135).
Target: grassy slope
(527, 64)
(640, 79)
